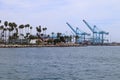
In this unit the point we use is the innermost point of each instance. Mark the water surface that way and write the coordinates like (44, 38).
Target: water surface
(60, 63)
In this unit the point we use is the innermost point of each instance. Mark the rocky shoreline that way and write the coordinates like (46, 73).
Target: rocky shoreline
(27, 46)
(58, 45)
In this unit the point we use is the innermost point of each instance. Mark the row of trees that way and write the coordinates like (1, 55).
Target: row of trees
(11, 32)
(60, 38)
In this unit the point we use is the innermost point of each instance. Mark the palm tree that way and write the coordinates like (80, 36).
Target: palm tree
(44, 32)
(1, 31)
(31, 30)
(58, 35)
(38, 30)
(10, 37)
(15, 30)
(11, 29)
(6, 23)
(0, 21)
(5, 29)
(52, 35)
(21, 34)
(27, 26)
(15, 35)
(76, 38)
(70, 38)
(14, 25)
(21, 28)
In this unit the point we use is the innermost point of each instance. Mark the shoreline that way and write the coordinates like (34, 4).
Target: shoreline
(31, 46)
(64, 45)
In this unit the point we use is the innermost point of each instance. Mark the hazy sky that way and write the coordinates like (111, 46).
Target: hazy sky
(54, 14)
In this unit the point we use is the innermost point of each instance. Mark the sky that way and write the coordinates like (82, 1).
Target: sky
(54, 14)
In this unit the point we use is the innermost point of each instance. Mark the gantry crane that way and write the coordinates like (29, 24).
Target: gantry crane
(83, 34)
(101, 35)
(75, 31)
(95, 33)
(98, 35)
(78, 33)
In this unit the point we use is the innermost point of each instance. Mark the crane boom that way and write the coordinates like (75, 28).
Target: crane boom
(88, 26)
(79, 30)
(71, 28)
(75, 31)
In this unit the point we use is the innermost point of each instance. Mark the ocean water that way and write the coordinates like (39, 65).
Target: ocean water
(60, 63)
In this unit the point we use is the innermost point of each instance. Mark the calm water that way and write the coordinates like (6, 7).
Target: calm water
(71, 63)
